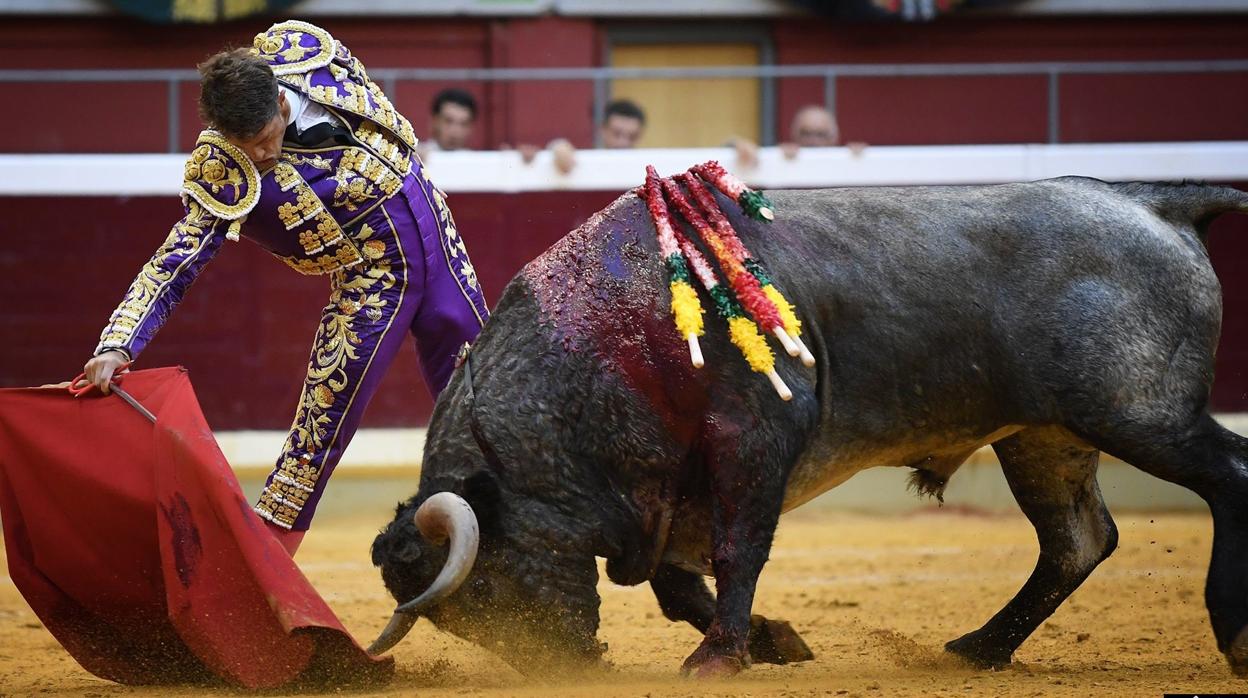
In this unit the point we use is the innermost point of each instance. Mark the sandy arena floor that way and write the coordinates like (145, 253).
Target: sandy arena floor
(875, 598)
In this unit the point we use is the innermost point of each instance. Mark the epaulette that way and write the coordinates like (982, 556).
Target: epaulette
(222, 179)
(295, 47)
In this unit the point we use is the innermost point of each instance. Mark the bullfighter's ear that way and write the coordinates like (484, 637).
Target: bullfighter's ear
(481, 491)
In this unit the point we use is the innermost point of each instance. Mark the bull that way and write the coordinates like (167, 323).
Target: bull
(1052, 320)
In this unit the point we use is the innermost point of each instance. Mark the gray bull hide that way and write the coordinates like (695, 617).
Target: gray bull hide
(1053, 320)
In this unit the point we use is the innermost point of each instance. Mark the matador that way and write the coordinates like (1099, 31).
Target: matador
(306, 156)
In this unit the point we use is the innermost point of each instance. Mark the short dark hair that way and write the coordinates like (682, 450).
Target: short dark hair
(237, 93)
(624, 107)
(454, 95)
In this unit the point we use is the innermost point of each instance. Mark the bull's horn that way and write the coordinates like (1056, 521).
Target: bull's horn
(442, 516)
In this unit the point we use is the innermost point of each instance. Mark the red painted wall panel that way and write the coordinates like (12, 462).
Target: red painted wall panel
(1098, 108)
(543, 110)
(49, 118)
(943, 110)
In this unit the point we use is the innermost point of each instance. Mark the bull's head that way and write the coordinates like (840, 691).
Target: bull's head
(508, 588)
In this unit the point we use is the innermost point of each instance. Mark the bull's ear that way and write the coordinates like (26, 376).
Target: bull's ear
(482, 493)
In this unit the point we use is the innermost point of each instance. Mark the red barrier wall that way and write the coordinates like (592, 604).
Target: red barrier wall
(245, 327)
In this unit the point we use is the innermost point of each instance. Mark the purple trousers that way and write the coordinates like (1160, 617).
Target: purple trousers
(415, 279)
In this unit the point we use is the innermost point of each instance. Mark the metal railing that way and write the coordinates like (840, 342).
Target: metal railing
(601, 78)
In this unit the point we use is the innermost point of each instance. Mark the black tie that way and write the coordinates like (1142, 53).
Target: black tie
(319, 135)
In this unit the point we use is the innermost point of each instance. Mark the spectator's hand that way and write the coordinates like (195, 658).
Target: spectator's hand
(790, 150)
(747, 153)
(564, 154)
(100, 369)
(856, 148)
(527, 151)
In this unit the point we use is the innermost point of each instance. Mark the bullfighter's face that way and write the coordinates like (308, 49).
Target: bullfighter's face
(265, 145)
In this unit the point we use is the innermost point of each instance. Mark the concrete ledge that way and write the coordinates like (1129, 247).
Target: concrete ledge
(373, 452)
(620, 170)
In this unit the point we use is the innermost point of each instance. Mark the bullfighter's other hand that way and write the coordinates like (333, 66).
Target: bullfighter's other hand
(100, 369)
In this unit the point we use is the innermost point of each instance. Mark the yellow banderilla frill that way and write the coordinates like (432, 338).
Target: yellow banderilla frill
(744, 333)
(687, 309)
(791, 324)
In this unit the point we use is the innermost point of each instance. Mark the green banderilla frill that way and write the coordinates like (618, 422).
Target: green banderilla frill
(757, 206)
(677, 270)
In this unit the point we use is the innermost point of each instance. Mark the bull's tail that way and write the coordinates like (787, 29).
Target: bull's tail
(1187, 203)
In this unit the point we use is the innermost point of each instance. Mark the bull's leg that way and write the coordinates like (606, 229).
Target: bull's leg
(1053, 477)
(683, 596)
(1213, 463)
(747, 490)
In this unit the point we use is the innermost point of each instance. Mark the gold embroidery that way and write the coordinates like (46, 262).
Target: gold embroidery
(305, 206)
(295, 52)
(395, 155)
(267, 43)
(345, 255)
(324, 93)
(457, 250)
(311, 242)
(328, 384)
(286, 176)
(214, 164)
(357, 97)
(355, 159)
(282, 47)
(327, 229)
(313, 160)
(374, 249)
(352, 189)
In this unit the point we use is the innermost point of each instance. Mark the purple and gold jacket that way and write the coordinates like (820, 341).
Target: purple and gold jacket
(304, 209)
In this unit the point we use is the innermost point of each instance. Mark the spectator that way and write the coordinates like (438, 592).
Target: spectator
(622, 125)
(813, 126)
(454, 115)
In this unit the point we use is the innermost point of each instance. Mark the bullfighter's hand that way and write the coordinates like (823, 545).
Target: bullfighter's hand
(100, 369)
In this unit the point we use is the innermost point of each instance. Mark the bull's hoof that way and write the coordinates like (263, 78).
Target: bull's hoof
(713, 662)
(716, 667)
(776, 642)
(1237, 655)
(979, 654)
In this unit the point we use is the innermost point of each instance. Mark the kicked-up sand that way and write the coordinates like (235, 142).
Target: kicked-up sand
(875, 597)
